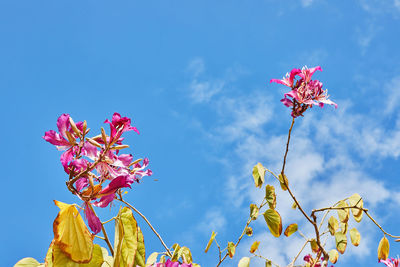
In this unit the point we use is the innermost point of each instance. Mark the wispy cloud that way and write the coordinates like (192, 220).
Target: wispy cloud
(306, 3)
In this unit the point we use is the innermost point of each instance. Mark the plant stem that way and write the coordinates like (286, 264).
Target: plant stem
(149, 224)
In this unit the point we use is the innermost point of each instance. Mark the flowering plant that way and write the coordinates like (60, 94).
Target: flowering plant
(97, 172)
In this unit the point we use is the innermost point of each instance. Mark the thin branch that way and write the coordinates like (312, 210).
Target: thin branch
(149, 224)
(298, 254)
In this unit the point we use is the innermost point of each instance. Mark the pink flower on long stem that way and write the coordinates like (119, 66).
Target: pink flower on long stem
(391, 262)
(305, 92)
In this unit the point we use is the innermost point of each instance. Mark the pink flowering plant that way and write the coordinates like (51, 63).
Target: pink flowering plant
(97, 171)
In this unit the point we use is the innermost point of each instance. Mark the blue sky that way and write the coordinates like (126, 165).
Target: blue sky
(193, 76)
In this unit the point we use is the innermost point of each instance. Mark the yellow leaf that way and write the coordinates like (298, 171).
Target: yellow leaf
(27, 262)
(270, 196)
(314, 246)
(244, 262)
(254, 246)
(59, 258)
(355, 237)
(126, 238)
(254, 211)
(231, 249)
(333, 256)
(71, 234)
(175, 255)
(249, 231)
(274, 222)
(291, 229)
(333, 225)
(141, 252)
(185, 255)
(152, 259)
(258, 175)
(341, 242)
(283, 180)
(356, 201)
(210, 241)
(383, 248)
(343, 214)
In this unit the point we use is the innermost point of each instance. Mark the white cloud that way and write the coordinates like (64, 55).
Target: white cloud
(306, 3)
(213, 220)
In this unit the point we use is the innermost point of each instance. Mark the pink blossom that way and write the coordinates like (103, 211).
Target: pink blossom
(119, 125)
(305, 92)
(93, 220)
(60, 140)
(170, 263)
(288, 80)
(391, 262)
(108, 193)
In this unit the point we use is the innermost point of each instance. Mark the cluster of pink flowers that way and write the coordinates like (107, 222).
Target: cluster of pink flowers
(170, 263)
(391, 262)
(92, 162)
(304, 92)
(310, 261)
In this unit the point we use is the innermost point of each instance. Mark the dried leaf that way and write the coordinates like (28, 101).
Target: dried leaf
(383, 248)
(210, 241)
(254, 246)
(258, 175)
(270, 196)
(355, 237)
(291, 229)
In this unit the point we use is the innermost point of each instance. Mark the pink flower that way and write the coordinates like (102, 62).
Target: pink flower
(170, 263)
(391, 262)
(305, 92)
(288, 80)
(119, 125)
(108, 193)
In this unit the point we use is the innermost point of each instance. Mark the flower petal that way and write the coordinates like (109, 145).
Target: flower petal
(63, 124)
(93, 220)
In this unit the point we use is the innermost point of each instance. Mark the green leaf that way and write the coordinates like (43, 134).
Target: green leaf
(291, 229)
(383, 248)
(355, 237)
(333, 256)
(341, 242)
(231, 249)
(210, 241)
(27, 262)
(244, 262)
(343, 214)
(258, 175)
(126, 238)
(314, 245)
(274, 222)
(333, 225)
(254, 246)
(152, 259)
(254, 211)
(140, 256)
(283, 180)
(270, 196)
(356, 201)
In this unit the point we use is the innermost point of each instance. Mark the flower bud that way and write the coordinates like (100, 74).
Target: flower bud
(74, 128)
(94, 142)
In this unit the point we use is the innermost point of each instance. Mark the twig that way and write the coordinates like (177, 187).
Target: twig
(149, 224)
(298, 254)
